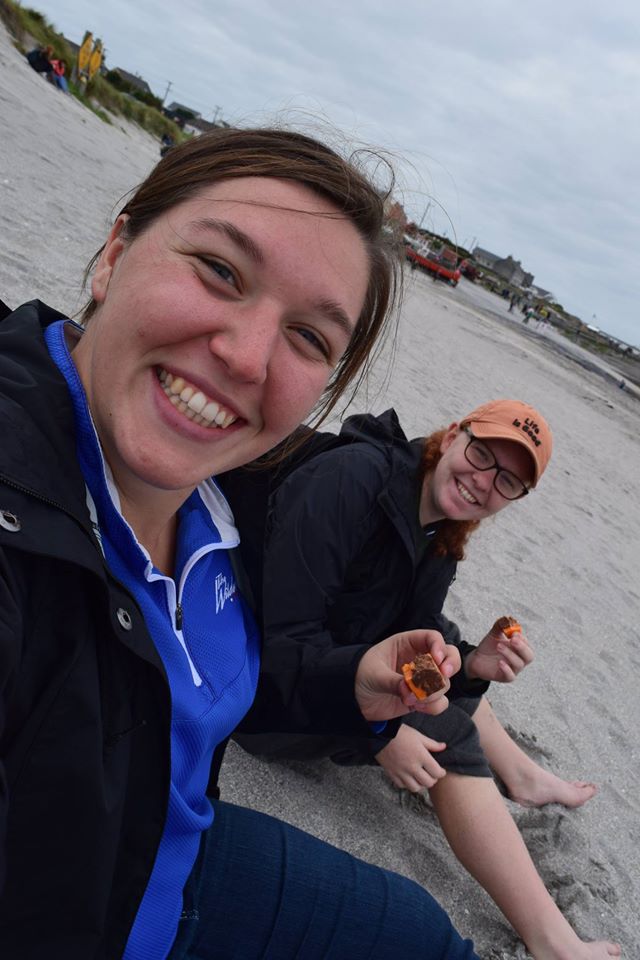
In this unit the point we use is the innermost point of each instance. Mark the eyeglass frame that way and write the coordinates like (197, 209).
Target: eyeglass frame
(494, 466)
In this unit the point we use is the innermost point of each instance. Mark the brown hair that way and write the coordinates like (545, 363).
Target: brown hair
(452, 535)
(226, 154)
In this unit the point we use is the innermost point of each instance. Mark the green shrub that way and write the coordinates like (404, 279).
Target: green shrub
(139, 107)
(11, 16)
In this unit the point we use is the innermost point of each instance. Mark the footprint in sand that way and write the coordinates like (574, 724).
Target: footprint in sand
(529, 743)
(571, 893)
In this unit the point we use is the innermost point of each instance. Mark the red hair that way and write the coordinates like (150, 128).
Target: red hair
(452, 535)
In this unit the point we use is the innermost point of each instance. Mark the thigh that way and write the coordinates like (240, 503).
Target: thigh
(268, 891)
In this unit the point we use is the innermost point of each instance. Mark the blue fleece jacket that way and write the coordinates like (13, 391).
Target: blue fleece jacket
(207, 640)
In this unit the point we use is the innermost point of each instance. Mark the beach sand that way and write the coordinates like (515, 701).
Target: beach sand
(564, 560)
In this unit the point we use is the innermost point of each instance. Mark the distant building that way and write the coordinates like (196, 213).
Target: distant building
(484, 257)
(542, 294)
(133, 80)
(198, 126)
(511, 271)
(180, 109)
(506, 267)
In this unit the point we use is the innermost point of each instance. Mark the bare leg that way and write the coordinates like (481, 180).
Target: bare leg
(487, 842)
(527, 783)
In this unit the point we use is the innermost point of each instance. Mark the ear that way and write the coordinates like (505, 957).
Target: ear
(108, 259)
(449, 437)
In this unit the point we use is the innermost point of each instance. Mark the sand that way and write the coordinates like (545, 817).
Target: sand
(564, 560)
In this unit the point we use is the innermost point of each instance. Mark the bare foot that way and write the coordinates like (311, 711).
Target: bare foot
(535, 787)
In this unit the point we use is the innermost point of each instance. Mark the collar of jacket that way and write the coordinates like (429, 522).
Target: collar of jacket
(399, 498)
(40, 480)
(41, 484)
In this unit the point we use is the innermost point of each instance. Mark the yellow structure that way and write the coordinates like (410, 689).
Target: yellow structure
(84, 53)
(96, 59)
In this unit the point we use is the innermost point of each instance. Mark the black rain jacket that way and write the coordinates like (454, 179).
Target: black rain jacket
(364, 578)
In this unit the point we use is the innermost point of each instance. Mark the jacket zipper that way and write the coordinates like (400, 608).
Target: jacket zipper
(42, 499)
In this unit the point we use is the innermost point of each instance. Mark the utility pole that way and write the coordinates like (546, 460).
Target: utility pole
(426, 211)
(169, 85)
(216, 114)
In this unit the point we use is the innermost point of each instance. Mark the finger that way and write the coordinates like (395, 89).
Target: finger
(412, 642)
(427, 781)
(524, 651)
(430, 744)
(408, 698)
(520, 644)
(431, 706)
(433, 768)
(412, 784)
(507, 674)
(515, 661)
(451, 662)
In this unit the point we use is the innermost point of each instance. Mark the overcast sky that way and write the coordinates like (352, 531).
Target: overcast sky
(519, 121)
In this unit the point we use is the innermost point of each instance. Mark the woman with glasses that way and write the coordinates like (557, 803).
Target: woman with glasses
(363, 540)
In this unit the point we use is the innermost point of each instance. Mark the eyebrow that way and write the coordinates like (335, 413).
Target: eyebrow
(237, 236)
(525, 483)
(330, 309)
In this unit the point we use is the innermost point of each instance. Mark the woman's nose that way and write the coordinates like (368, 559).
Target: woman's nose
(246, 345)
(484, 478)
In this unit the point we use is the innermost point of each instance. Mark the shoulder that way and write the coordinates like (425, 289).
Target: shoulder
(347, 474)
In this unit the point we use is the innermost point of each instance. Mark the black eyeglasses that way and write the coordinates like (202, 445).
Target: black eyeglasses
(480, 456)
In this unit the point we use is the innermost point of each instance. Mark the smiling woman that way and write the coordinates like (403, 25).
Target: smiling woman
(250, 335)
(363, 536)
(246, 281)
(285, 156)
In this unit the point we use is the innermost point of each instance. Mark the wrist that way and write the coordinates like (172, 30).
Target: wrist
(467, 666)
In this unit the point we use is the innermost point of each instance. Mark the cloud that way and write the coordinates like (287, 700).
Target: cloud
(517, 122)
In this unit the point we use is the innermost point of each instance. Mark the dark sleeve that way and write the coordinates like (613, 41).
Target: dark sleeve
(424, 612)
(319, 519)
(461, 685)
(10, 634)
(433, 580)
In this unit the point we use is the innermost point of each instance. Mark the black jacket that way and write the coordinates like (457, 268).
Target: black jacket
(85, 708)
(344, 563)
(84, 700)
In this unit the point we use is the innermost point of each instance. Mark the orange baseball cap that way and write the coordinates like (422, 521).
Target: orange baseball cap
(514, 420)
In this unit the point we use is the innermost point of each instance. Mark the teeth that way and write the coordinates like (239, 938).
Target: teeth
(210, 411)
(197, 402)
(464, 493)
(193, 403)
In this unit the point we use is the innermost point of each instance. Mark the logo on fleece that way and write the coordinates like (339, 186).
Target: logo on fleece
(225, 590)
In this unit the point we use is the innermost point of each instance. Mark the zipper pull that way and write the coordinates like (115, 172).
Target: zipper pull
(179, 616)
